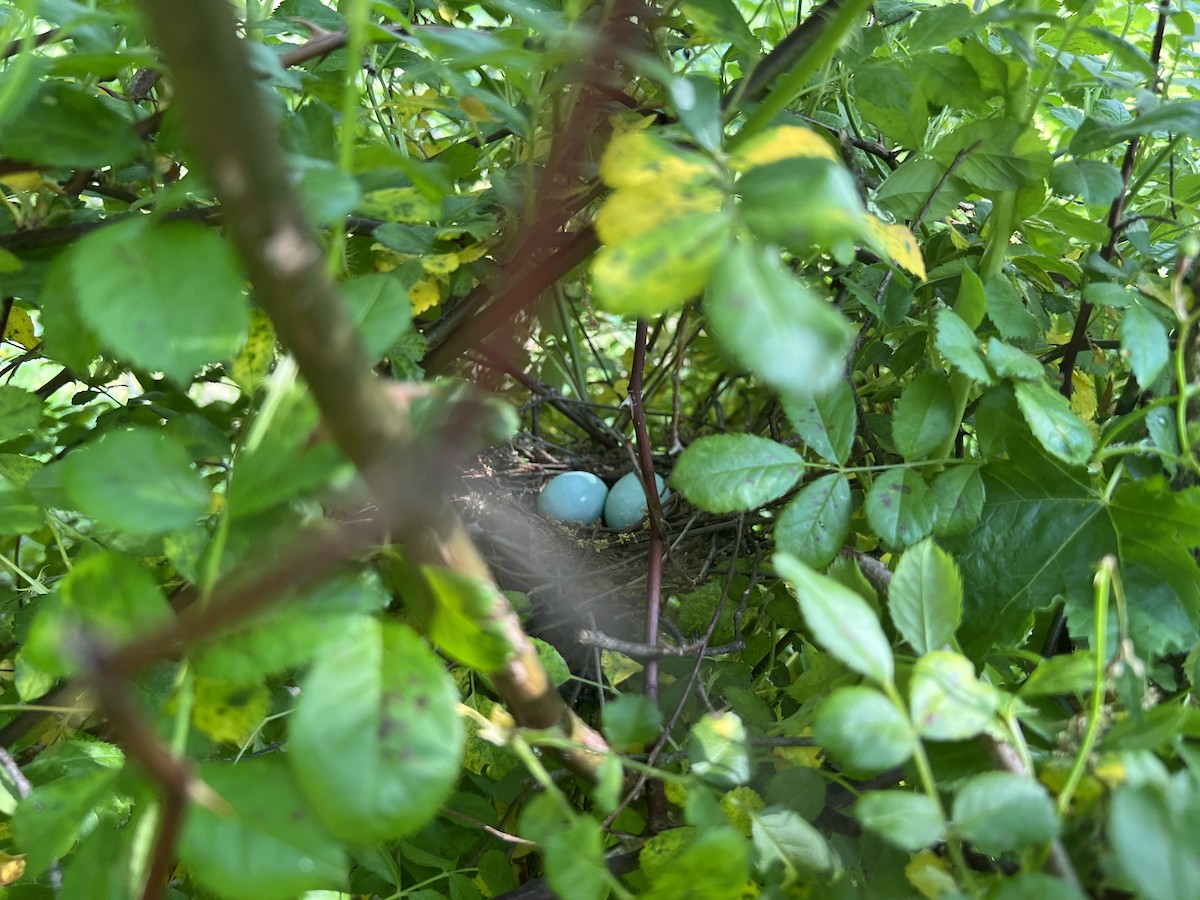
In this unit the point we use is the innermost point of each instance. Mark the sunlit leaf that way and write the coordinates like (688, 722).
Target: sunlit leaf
(771, 323)
(839, 620)
(733, 472)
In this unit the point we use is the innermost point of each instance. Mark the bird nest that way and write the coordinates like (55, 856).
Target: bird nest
(585, 577)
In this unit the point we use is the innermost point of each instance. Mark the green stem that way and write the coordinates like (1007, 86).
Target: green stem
(1103, 585)
(929, 784)
(21, 67)
(1181, 379)
(794, 81)
(355, 12)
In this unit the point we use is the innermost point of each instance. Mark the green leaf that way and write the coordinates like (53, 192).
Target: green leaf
(815, 524)
(924, 416)
(1025, 885)
(461, 620)
(958, 495)
(957, 342)
(574, 858)
(719, 751)
(947, 80)
(785, 841)
(906, 190)
(630, 720)
(19, 511)
(1043, 528)
(291, 632)
(720, 21)
(165, 297)
(68, 339)
(271, 847)
(909, 821)
(711, 866)
(103, 866)
(735, 472)
(697, 100)
(1095, 183)
(1008, 312)
(1181, 117)
(803, 202)
(937, 26)
(862, 730)
(1070, 675)
(662, 268)
(925, 597)
(826, 422)
(839, 620)
(970, 303)
(20, 412)
(1144, 341)
(109, 597)
(773, 325)
(889, 100)
(1152, 827)
(1054, 423)
(65, 127)
(1009, 362)
(136, 480)
(1000, 812)
(375, 740)
(380, 308)
(46, 823)
(1000, 154)
(948, 702)
(900, 508)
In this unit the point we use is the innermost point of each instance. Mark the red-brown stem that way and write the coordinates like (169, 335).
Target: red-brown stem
(654, 790)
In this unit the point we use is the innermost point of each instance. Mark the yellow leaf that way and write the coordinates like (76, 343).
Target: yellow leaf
(662, 269)
(629, 213)
(1111, 772)
(959, 242)
(472, 253)
(784, 142)
(253, 362)
(616, 667)
(407, 205)
(899, 244)
(19, 328)
(801, 757)
(636, 158)
(11, 869)
(440, 263)
(738, 805)
(476, 109)
(1083, 395)
(424, 295)
(229, 712)
(930, 874)
(23, 182)
(654, 859)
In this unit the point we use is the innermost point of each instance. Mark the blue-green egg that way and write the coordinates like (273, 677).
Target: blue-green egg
(573, 497)
(626, 504)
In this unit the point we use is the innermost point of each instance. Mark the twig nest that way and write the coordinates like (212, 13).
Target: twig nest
(626, 503)
(573, 497)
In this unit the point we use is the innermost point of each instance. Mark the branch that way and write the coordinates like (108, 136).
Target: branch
(1115, 214)
(241, 155)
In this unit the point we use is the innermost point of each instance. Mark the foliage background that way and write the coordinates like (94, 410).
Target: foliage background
(899, 296)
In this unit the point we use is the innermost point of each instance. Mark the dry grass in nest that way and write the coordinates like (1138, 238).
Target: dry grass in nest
(583, 577)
